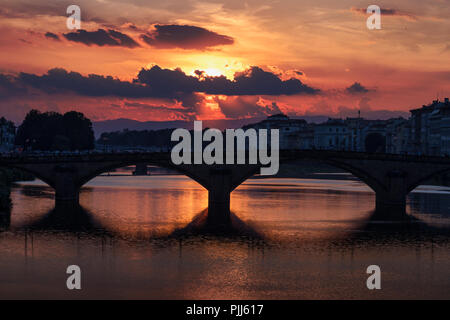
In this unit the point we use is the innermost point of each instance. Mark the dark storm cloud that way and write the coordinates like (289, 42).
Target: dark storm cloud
(257, 81)
(158, 83)
(102, 37)
(60, 80)
(356, 88)
(254, 81)
(184, 37)
(166, 82)
(52, 36)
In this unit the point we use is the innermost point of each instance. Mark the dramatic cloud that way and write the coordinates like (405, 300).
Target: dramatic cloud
(60, 81)
(10, 87)
(254, 81)
(102, 37)
(257, 81)
(52, 36)
(185, 96)
(184, 37)
(242, 107)
(388, 12)
(165, 83)
(356, 88)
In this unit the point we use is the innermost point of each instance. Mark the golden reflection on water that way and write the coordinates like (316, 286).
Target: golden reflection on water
(317, 241)
(147, 205)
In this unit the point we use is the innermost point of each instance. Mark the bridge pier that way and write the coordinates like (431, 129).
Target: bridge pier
(390, 208)
(219, 198)
(67, 191)
(5, 219)
(141, 170)
(391, 203)
(67, 204)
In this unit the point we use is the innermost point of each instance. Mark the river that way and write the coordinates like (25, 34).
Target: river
(310, 239)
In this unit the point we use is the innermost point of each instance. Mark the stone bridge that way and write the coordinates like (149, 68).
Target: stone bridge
(390, 176)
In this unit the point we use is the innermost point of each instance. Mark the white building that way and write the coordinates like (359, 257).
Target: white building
(294, 133)
(430, 128)
(398, 136)
(426, 132)
(332, 135)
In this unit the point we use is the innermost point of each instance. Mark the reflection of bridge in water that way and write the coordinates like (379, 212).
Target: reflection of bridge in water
(390, 176)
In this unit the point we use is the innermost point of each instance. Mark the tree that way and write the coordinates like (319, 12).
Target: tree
(79, 131)
(53, 131)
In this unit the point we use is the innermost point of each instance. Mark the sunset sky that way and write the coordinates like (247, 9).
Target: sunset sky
(189, 59)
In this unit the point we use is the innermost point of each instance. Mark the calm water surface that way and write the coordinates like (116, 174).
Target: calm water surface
(316, 239)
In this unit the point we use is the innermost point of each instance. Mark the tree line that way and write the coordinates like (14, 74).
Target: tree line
(49, 131)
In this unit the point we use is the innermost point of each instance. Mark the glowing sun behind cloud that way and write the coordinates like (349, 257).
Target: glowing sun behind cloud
(213, 72)
(212, 65)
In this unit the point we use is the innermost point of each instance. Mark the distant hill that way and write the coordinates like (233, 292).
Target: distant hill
(121, 124)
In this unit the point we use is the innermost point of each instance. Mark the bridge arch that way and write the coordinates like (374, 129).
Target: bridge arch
(67, 176)
(86, 177)
(37, 173)
(371, 181)
(413, 185)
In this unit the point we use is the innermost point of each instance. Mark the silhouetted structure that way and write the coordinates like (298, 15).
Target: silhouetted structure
(391, 177)
(53, 131)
